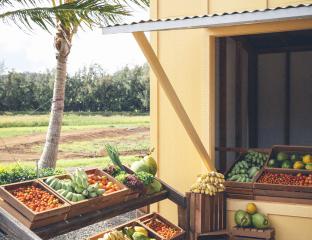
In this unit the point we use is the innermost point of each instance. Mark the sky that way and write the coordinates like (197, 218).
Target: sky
(34, 52)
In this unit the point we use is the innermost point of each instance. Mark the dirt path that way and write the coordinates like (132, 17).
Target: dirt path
(20, 148)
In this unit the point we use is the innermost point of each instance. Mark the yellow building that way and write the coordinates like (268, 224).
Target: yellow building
(192, 60)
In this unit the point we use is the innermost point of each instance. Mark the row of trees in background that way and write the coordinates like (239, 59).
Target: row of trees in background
(89, 89)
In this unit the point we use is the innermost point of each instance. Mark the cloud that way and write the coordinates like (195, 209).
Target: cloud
(35, 51)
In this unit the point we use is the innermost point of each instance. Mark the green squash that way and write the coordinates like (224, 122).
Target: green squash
(242, 219)
(260, 221)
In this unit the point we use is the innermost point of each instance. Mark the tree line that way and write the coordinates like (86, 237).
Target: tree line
(89, 89)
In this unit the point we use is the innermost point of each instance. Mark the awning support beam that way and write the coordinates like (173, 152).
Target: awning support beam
(173, 97)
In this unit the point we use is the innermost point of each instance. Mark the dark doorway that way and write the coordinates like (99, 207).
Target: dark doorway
(264, 92)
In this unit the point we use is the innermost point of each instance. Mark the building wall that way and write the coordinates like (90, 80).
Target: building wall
(185, 56)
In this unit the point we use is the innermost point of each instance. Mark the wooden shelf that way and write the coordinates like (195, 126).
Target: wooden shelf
(14, 227)
(97, 216)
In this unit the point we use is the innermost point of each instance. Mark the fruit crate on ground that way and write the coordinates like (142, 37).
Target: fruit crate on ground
(19, 200)
(159, 224)
(140, 228)
(239, 233)
(293, 158)
(283, 185)
(94, 203)
(240, 177)
(207, 213)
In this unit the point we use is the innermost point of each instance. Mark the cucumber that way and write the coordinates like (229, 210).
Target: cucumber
(74, 198)
(49, 180)
(80, 197)
(69, 196)
(54, 183)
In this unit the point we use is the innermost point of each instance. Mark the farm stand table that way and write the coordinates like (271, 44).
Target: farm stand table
(14, 227)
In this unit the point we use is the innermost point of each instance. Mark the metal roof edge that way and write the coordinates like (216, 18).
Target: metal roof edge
(268, 15)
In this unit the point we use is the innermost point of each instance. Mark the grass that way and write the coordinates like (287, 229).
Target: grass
(83, 162)
(133, 143)
(23, 125)
(13, 125)
(71, 119)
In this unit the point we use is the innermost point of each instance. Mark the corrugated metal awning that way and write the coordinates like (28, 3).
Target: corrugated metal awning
(302, 11)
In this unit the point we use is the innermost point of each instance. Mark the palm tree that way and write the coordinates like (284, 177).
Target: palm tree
(66, 16)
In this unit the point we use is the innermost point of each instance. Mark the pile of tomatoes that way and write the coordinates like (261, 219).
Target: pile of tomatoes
(286, 179)
(36, 198)
(104, 183)
(162, 229)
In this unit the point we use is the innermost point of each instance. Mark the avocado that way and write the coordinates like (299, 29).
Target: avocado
(294, 157)
(272, 163)
(281, 156)
(308, 166)
(287, 164)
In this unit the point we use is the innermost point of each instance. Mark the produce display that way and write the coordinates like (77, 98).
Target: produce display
(251, 218)
(161, 228)
(142, 180)
(37, 199)
(77, 188)
(147, 164)
(291, 161)
(286, 179)
(246, 169)
(103, 183)
(209, 183)
(18, 173)
(128, 233)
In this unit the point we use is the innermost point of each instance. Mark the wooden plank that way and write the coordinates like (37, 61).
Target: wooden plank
(253, 98)
(242, 150)
(222, 103)
(238, 95)
(287, 99)
(13, 227)
(173, 97)
(96, 216)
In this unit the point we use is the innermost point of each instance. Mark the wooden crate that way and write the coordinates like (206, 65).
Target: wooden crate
(207, 213)
(58, 213)
(219, 235)
(238, 190)
(282, 193)
(301, 150)
(129, 224)
(26, 222)
(181, 233)
(93, 204)
(239, 233)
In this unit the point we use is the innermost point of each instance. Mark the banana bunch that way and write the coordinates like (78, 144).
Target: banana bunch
(113, 235)
(77, 188)
(209, 183)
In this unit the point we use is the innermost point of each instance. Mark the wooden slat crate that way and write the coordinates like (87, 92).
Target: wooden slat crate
(301, 150)
(207, 213)
(219, 235)
(239, 233)
(279, 192)
(238, 190)
(26, 222)
(141, 222)
(145, 219)
(32, 217)
(93, 204)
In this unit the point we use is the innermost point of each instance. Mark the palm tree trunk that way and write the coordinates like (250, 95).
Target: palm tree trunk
(50, 151)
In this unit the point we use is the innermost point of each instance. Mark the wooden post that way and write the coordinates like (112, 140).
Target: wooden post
(14, 228)
(173, 98)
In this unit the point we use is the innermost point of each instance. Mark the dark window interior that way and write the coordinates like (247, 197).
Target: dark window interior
(264, 92)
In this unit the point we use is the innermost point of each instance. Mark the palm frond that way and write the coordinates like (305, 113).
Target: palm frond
(141, 3)
(23, 2)
(87, 12)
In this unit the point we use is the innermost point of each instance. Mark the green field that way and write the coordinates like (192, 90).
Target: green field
(85, 135)
(14, 124)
